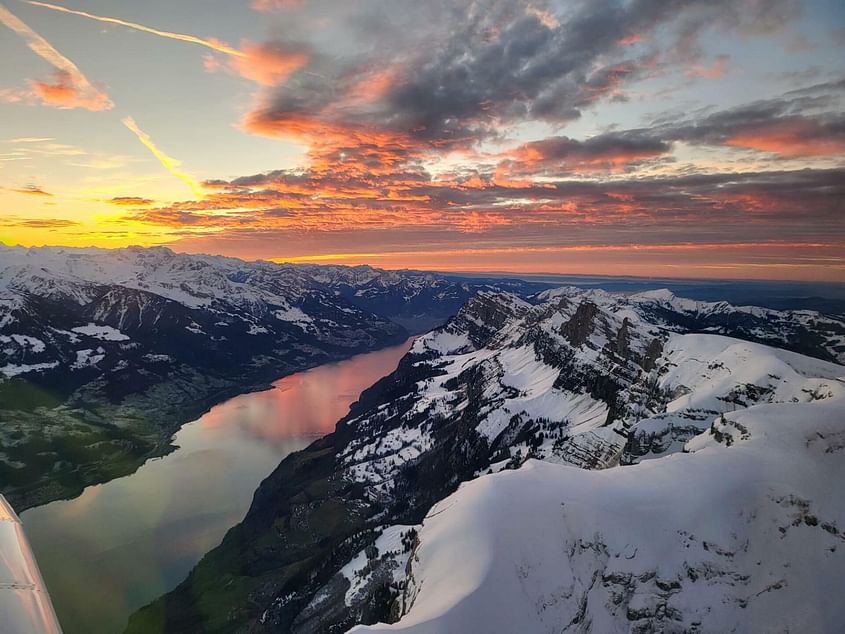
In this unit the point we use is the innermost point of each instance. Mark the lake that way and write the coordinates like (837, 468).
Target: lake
(121, 544)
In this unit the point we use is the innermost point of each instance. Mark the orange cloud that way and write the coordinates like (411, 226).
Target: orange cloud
(715, 70)
(275, 5)
(546, 18)
(335, 146)
(374, 85)
(130, 201)
(12, 95)
(70, 88)
(633, 38)
(798, 137)
(579, 248)
(39, 223)
(31, 139)
(608, 152)
(346, 203)
(471, 220)
(62, 92)
(268, 64)
(31, 190)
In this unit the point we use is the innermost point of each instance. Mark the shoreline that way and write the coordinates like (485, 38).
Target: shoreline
(189, 413)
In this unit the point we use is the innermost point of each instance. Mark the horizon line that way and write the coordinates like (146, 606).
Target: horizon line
(457, 272)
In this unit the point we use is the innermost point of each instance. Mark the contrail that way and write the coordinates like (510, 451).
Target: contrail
(171, 164)
(210, 43)
(43, 49)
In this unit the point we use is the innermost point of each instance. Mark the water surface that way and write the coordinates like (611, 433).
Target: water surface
(121, 544)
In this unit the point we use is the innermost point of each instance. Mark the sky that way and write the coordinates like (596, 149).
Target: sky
(670, 138)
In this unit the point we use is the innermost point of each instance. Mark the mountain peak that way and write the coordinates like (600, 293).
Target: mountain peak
(659, 295)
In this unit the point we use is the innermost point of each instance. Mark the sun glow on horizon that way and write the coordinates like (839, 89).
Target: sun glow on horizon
(621, 161)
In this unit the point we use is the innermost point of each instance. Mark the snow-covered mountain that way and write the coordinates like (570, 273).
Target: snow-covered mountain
(805, 331)
(743, 533)
(740, 529)
(64, 308)
(104, 353)
(672, 479)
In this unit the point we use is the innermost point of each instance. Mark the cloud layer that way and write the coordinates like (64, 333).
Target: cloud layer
(518, 132)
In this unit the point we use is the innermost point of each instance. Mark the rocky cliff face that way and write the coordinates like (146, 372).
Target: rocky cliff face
(581, 379)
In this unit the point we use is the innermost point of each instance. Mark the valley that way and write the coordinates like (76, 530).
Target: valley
(119, 545)
(105, 354)
(581, 380)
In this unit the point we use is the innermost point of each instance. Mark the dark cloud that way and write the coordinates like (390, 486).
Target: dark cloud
(804, 204)
(804, 122)
(31, 190)
(438, 78)
(131, 201)
(531, 69)
(800, 123)
(609, 151)
(38, 223)
(471, 69)
(369, 179)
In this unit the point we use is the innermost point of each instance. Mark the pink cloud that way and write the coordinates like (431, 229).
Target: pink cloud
(270, 63)
(63, 92)
(715, 70)
(275, 5)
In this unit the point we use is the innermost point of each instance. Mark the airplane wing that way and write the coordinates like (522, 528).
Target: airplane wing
(25, 606)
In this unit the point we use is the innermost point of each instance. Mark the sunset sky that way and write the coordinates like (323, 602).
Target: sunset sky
(679, 138)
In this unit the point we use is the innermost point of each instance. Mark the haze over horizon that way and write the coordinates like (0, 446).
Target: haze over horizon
(644, 138)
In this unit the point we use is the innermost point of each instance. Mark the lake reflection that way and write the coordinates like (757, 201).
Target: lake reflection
(122, 544)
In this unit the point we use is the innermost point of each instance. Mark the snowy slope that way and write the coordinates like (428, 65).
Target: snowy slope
(704, 375)
(804, 331)
(554, 548)
(574, 383)
(745, 536)
(732, 518)
(194, 281)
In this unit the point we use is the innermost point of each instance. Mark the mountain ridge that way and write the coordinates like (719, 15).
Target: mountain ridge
(105, 353)
(586, 379)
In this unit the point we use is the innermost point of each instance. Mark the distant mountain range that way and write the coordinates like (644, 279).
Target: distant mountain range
(824, 297)
(105, 353)
(629, 463)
